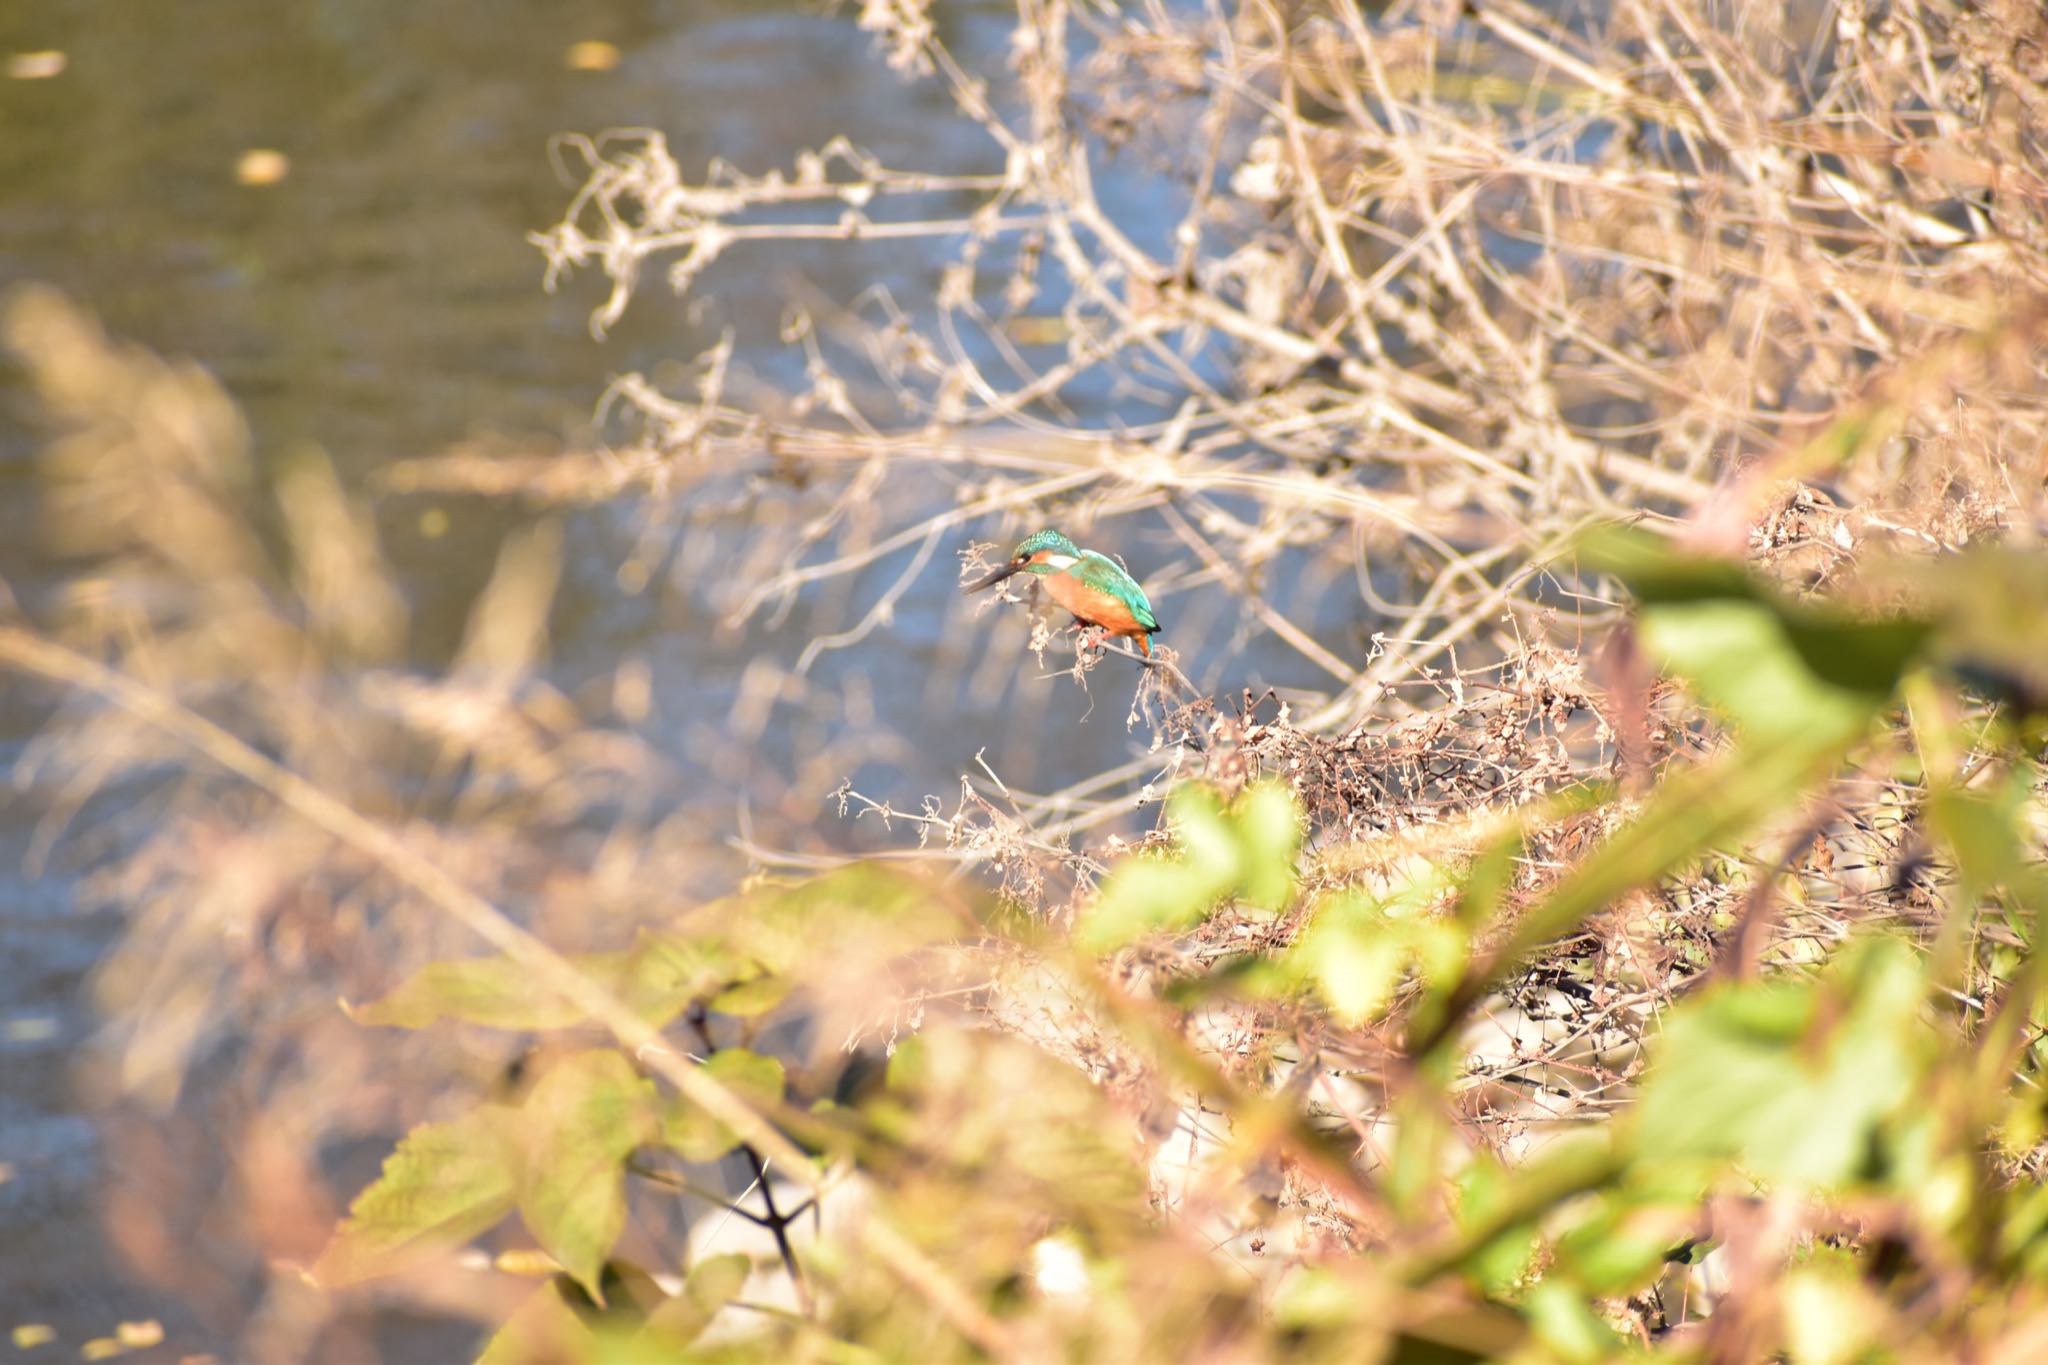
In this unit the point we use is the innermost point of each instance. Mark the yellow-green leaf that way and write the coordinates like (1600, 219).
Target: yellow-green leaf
(494, 991)
(1793, 1079)
(1269, 834)
(544, 1330)
(581, 1120)
(1353, 955)
(661, 975)
(714, 1282)
(445, 1183)
(694, 1134)
(1147, 893)
(1564, 1321)
(755, 996)
(1784, 671)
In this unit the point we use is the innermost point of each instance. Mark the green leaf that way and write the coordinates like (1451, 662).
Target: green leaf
(910, 1064)
(582, 1119)
(1742, 661)
(1793, 1079)
(2023, 1232)
(1991, 603)
(1269, 836)
(1984, 830)
(1498, 1263)
(1565, 1322)
(494, 991)
(1625, 1244)
(1354, 955)
(870, 910)
(1423, 1139)
(560, 1324)
(1247, 851)
(668, 971)
(1783, 671)
(445, 1183)
(1442, 949)
(1831, 1317)
(544, 1330)
(757, 996)
(1359, 947)
(694, 1134)
(661, 976)
(1657, 571)
(1564, 1170)
(1315, 1297)
(1490, 877)
(714, 1282)
(1148, 892)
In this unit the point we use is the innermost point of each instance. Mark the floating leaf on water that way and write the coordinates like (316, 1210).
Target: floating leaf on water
(138, 1335)
(262, 166)
(591, 55)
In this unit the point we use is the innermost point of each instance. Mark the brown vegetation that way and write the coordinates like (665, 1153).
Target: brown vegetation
(1395, 305)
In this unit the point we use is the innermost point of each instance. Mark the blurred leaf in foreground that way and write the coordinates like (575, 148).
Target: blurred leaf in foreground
(445, 1183)
(1782, 671)
(494, 991)
(1358, 949)
(1794, 1080)
(714, 1282)
(658, 978)
(694, 1134)
(1245, 850)
(581, 1120)
(634, 1323)
(1992, 606)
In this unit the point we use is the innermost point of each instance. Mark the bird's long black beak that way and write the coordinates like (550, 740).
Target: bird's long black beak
(989, 582)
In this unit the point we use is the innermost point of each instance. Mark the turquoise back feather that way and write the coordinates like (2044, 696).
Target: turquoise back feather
(1100, 571)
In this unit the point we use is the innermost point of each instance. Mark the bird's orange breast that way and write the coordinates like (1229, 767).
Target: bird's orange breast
(1093, 605)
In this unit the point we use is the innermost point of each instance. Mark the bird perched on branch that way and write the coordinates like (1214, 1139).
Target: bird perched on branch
(1092, 586)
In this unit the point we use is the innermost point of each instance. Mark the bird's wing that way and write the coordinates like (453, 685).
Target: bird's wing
(1101, 572)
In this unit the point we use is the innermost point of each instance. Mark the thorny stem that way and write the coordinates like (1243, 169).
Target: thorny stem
(776, 1222)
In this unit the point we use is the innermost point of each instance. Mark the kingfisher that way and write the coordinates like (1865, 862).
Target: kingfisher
(1092, 586)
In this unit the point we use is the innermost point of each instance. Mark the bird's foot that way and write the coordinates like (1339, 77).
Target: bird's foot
(1092, 636)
